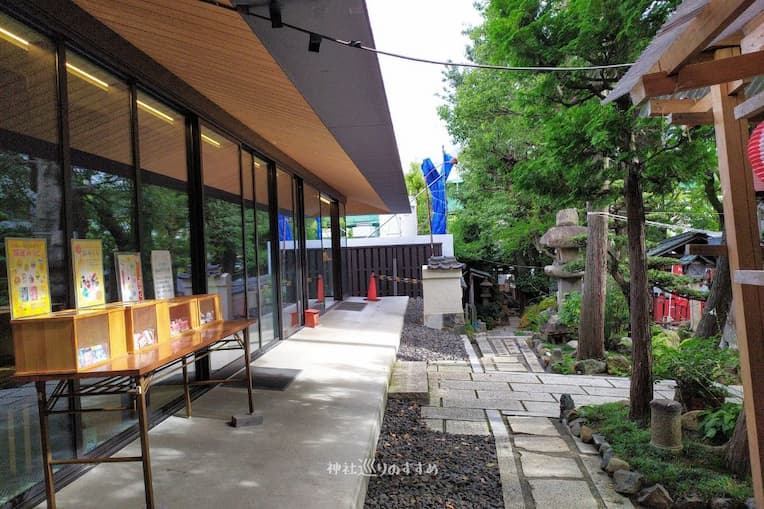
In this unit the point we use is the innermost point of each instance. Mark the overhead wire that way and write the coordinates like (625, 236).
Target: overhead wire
(361, 46)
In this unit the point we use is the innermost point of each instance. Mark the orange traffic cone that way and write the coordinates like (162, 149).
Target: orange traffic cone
(372, 297)
(320, 290)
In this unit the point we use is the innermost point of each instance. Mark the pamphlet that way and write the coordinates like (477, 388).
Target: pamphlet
(161, 270)
(87, 265)
(28, 281)
(129, 276)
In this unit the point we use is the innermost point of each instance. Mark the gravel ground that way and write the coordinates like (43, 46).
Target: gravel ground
(420, 343)
(457, 471)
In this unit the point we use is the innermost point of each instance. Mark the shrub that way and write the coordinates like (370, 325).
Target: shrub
(694, 470)
(570, 314)
(696, 366)
(616, 311)
(718, 425)
(533, 317)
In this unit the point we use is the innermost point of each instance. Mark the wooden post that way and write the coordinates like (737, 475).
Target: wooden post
(744, 250)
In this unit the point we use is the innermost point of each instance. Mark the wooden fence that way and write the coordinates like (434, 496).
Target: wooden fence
(398, 268)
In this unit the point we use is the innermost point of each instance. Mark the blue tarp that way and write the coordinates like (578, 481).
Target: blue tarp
(436, 182)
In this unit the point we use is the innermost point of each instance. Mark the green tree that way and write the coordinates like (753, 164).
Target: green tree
(415, 185)
(566, 147)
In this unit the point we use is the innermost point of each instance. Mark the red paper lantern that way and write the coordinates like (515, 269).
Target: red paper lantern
(756, 151)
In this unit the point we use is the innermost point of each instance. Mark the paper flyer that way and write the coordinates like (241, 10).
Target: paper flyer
(87, 265)
(161, 270)
(129, 276)
(28, 282)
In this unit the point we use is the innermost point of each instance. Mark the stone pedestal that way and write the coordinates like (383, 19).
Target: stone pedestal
(442, 291)
(666, 424)
(562, 238)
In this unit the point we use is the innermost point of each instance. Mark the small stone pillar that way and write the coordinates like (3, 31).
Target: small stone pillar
(442, 291)
(561, 238)
(485, 292)
(666, 424)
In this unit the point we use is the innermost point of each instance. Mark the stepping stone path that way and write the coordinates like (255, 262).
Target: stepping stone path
(503, 390)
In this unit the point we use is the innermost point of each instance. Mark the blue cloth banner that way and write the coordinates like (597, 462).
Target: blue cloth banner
(320, 233)
(436, 182)
(285, 228)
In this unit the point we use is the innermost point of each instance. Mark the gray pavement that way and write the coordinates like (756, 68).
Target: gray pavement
(327, 421)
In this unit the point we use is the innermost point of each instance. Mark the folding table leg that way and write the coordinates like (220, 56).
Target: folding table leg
(42, 409)
(143, 423)
(186, 391)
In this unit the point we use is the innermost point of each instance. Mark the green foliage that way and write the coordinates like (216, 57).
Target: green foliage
(415, 184)
(618, 364)
(534, 317)
(570, 314)
(567, 366)
(718, 425)
(694, 470)
(490, 313)
(660, 262)
(696, 366)
(616, 311)
(577, 265)
(676, 284)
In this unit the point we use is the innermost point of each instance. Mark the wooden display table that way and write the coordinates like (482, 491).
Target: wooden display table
(133, 374)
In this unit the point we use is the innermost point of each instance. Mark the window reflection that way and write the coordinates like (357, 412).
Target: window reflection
(269, 326)
(31, 205)
(313, 237)
(291, 302)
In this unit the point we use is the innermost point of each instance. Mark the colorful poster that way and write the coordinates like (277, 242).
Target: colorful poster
(87, 266)
(129, 276)
(161, 271)
(28, 282)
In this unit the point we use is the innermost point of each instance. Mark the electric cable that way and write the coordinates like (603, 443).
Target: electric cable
(471, 65)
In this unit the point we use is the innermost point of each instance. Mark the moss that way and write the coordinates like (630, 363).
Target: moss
(694, 470)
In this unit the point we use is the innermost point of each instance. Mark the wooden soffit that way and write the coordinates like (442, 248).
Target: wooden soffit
(215, 52)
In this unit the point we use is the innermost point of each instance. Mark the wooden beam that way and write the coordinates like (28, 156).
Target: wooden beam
(744, 253)
(662, 107)
(700, 75)
(700, 32)
(753, 40)
(750, 107)
(691, 119)
(710, 250)
(749, 277)
(704, 104)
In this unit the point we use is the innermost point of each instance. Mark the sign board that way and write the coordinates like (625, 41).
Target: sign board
(129, 276)
(161, 271)
(28, 281)
(87, 267)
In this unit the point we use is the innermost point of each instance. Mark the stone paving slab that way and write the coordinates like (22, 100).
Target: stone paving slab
(525, 396)
(510, 478)
(434, 424)
(582, 447)
(506, 377)
(468, 428)
(543, 465)
(593, 381)
(541, 444)
(595, 400)
(547, 409)
(475, 385)
(517, 368)
(409, 380)
(550, 493)
(548, 388)
(497, 404)
(474, 359)
(607, 391)
(458, 375)
(455, 413)
(533, 426)
(466, 394)
(604, 484)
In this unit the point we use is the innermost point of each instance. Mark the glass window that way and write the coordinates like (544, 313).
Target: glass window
(31, 205)
(291, 302)
(327, 259)
(103, 184)
(313, 234)
(266, 276)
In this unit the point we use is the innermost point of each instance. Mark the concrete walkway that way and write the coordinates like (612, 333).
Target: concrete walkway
(504, 391)
(327, 421)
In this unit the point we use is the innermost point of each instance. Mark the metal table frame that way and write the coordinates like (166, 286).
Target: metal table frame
(137, 386)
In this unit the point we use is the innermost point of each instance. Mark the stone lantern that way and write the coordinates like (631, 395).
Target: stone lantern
(562, 239)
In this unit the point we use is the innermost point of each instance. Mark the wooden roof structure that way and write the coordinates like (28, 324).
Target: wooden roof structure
(215, 60)
(697, 71)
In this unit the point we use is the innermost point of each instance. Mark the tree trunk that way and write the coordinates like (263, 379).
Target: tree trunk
(591, 330)
(641, 392)
(737, 455)
(718, 303)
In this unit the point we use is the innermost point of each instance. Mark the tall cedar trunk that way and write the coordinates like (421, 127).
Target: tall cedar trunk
(718, 303)
(641, 392)
(737, 455)
(591, 331)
